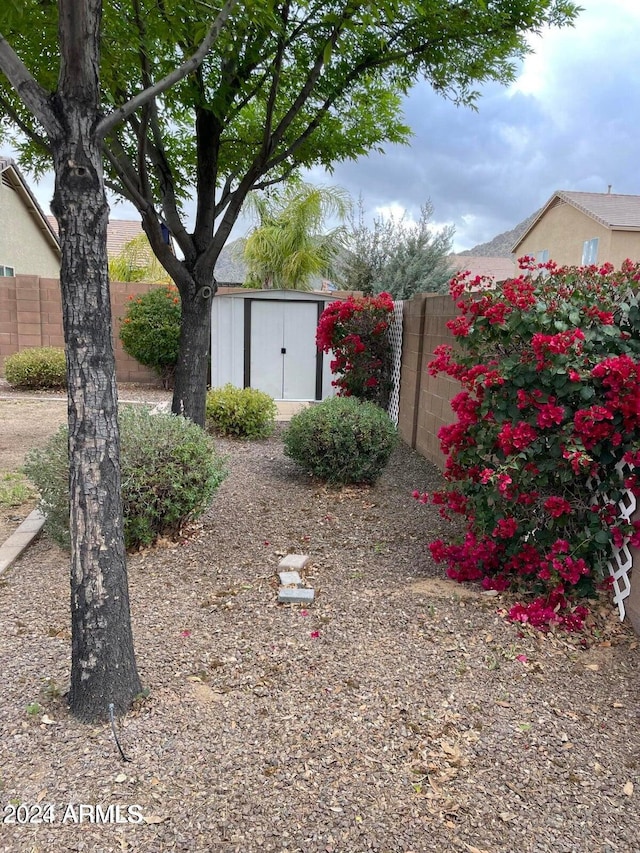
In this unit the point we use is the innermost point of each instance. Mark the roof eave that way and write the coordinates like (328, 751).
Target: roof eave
(31, 203)
(521, 238)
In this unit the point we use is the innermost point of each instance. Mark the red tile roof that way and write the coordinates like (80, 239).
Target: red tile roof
(495, 267)
(119, 233)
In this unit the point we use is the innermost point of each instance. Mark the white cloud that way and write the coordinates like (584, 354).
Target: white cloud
(395, 211)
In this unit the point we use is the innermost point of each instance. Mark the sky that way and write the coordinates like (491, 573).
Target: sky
(571, 121)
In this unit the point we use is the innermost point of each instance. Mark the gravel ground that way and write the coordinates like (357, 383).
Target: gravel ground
(399, 712)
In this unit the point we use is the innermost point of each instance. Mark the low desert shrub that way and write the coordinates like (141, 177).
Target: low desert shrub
(240, 412)
(150, 330)
(36, 368)
(170, 472)
(341, 440)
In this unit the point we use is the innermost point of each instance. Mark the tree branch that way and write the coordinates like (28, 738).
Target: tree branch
(306, 91)
(273, 89)
(29, 132)
(34, 97)
(117, 116)
(225, 195)
(143, 175)
(128, 177)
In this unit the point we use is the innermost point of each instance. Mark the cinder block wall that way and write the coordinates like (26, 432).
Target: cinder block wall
(31, 316)
(424, 399)
(127, 368)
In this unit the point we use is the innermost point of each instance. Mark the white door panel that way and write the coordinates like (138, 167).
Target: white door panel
(300, 359)
(283, 356)
(267, 336)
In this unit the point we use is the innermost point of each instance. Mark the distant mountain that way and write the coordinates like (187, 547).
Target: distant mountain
(230, 267)
(500, 246)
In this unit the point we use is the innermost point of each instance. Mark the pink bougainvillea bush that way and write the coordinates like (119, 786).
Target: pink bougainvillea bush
(549, 365)
(356, 331)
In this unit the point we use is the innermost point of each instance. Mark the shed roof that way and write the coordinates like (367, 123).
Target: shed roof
(277, 294)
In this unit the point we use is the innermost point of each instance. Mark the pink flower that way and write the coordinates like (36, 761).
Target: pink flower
(617, 537)
(459, 326)
(498, 582)
(506, 528)
(315, 635)
(522, 658)
(518, 437)
(557, 506)
(548, 415)
(560, 546)
(185, 634)
(504, 481)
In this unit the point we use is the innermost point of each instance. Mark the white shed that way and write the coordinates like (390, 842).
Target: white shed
(266, 339)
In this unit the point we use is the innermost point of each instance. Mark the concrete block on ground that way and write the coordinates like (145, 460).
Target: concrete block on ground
(289, 595)
(21, 539)
(293, 562)
(290, 579)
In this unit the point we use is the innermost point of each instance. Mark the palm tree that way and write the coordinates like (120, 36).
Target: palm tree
(288, 246)
(136, 262)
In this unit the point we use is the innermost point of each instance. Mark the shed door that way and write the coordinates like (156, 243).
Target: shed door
(283, 355)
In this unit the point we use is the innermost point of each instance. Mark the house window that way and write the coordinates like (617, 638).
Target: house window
(7, 272)
(590, 252)
(542, 256)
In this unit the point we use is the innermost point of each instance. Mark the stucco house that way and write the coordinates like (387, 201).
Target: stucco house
(28, 243)
(29, 237)
(579, 228)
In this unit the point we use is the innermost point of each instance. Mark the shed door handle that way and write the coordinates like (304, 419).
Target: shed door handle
(283, 350)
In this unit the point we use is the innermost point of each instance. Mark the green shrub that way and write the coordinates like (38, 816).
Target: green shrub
(341, 440)
(150, 330)
(170, 471)
(240, 412)
(38, 367)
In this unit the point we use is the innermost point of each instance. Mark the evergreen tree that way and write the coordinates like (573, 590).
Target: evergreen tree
(398, 256)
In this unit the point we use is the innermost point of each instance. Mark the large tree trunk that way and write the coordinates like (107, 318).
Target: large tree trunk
(192, 369)
(103, 666)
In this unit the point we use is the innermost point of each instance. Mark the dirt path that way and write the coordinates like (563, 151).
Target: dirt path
(24, 424)
(400, 713)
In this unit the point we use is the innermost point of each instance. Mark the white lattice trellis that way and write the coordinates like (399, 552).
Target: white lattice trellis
(621, 561)
(395, 336)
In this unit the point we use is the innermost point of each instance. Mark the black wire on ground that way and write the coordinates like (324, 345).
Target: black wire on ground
(115, 736)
